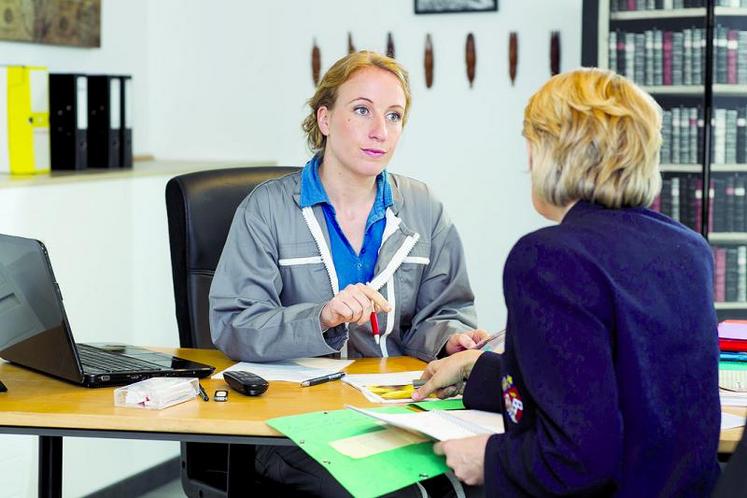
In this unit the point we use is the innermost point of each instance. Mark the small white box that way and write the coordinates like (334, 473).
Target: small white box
(157, 392)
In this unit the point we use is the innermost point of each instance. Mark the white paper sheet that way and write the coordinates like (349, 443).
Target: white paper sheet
(732, 398)
(361, 381)
(730, 421)
(441, 425)
(296, 370)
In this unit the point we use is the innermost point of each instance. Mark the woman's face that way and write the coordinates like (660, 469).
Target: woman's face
(364, 126)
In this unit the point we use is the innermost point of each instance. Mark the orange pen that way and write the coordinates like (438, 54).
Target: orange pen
(375, 327)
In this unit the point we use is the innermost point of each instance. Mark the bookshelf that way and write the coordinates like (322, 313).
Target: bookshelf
(691, 56)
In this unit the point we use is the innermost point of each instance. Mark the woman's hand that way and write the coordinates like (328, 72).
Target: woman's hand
(466, 457)
(354, 304)
(446, 377)
(465, 340)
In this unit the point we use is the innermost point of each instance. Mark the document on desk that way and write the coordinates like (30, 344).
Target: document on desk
(297, 370)
(388, 387)
(731, 421)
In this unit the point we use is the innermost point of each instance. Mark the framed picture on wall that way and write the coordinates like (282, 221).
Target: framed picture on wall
(449, 6)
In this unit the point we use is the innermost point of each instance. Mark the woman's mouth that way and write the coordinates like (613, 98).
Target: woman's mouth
(374, 152)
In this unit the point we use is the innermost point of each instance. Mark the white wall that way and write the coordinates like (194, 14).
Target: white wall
(230, 82)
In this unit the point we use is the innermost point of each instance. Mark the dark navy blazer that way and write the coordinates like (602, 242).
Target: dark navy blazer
(609, 382)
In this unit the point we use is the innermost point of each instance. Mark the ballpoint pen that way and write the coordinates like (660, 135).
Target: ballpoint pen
(322, 379)
(497, 335)
(203, 394)
(375, 327)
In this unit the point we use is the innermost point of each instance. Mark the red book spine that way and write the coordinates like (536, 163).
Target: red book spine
(731, 57)
(667, 58)
(736, 345)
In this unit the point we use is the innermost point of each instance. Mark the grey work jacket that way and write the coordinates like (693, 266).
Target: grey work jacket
(276, 273)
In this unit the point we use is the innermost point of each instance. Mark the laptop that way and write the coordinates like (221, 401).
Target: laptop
(35, 333)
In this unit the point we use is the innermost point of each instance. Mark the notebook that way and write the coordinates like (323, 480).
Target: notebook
(35, 333)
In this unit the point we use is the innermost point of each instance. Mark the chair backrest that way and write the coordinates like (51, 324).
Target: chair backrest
(200, 207)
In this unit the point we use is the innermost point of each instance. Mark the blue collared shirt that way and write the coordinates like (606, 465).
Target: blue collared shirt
(351, 268)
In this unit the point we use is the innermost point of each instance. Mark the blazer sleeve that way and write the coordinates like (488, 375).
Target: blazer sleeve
(483, 388)
(569, 441)
(445, 303)
(247, 319)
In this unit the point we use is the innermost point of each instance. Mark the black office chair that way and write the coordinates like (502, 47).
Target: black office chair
(733, 481)
(200, 207)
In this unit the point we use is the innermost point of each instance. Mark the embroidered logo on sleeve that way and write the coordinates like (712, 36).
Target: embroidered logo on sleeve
(511, 399)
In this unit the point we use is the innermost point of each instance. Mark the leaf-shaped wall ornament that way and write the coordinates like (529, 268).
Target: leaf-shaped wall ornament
(470, 58)
(351, 47)
(428, 61)
(513, 55)
(390, 45)
(316, 63)
(555, 53)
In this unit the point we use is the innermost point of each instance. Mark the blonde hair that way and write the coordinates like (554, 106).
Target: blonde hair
(339, 73)
(594, 136)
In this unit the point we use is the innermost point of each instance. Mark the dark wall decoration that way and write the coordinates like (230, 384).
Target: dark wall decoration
(316, 63)
(555, 52)
(470, 58)
(54, 22)
(428, 61)
(513, 55)
(389, 45)
(449, 6)
(351, 47)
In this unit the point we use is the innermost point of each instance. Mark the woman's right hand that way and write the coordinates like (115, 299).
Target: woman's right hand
(354, 304)
(446, 377)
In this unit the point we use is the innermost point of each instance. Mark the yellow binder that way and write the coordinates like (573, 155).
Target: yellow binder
(28, 119)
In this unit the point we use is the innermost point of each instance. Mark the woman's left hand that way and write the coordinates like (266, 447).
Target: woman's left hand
(466, 457)
(465, 340)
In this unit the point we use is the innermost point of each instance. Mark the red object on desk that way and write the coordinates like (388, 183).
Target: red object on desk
(736, 345)
(375, 327)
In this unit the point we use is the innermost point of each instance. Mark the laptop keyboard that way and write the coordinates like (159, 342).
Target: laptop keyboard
(97, 359)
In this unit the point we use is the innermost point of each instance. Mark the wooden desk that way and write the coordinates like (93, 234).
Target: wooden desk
(51, 409)
(39, 405)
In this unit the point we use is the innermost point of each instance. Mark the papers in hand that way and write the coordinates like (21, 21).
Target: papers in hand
(441, 425)
(386, 388)
(297, 370)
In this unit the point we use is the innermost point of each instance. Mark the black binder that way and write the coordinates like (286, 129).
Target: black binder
(125, 157)
(104, 121)
(68, 121)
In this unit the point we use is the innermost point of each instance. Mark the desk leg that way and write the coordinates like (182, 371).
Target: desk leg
(50, 466)
(241, 471)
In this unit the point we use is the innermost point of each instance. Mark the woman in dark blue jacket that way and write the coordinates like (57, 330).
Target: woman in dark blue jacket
(608, 383)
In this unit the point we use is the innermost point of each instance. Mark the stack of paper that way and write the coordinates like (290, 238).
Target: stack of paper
(297, 370)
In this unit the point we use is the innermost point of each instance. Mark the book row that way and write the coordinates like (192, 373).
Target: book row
(681, 199)
(63, 121)
(634, 5)
(730, 274)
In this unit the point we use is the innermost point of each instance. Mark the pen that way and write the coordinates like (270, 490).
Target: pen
(497, 335)
(203, 394)
(375, 327)
(322, 379)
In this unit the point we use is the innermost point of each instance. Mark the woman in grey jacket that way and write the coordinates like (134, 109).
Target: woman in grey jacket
(311, 255)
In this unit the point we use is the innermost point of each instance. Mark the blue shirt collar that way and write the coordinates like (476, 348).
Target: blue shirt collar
(312, 190)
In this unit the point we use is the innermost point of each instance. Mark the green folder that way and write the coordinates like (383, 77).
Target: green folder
(362, 477)
(732, 365)
(441, 404)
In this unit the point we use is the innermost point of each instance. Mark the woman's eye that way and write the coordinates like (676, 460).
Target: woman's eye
(394, 117)
(363, 111)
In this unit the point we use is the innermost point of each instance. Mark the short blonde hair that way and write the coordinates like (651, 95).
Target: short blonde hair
(339, 73)
(594, 136)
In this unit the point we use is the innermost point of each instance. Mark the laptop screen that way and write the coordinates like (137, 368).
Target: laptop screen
(33, 327)
(28, 304)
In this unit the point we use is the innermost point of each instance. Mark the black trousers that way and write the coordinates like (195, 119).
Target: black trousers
(300, 475)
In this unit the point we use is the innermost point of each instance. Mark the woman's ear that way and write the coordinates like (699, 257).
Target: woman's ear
(322, 120)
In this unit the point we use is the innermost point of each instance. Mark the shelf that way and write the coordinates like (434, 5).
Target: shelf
(681, 168)
(635, 15)
(727, 237)
(724, 89)
(730, 306)
(730, 11)
(678, 89)
(728, 168)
